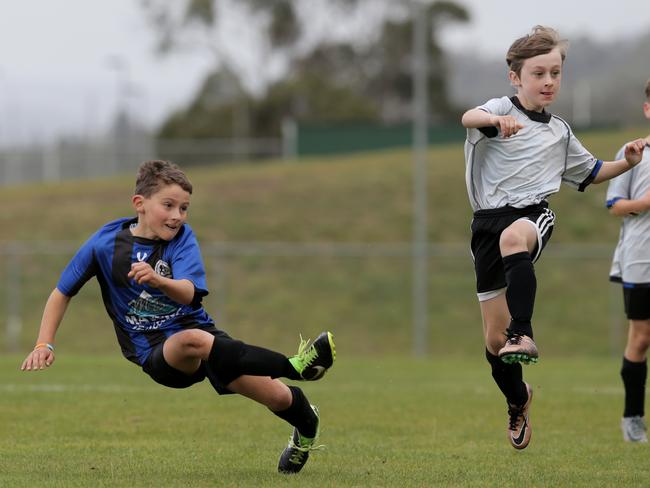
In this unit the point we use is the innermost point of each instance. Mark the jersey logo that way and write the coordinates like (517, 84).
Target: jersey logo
(141, 256)
(163, 269)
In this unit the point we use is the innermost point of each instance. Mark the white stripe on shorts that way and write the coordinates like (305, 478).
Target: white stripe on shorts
(542, 225)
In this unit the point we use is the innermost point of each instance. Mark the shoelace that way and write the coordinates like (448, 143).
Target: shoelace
(299, 451)
(515, 413)
(307, 357)
(513, 337)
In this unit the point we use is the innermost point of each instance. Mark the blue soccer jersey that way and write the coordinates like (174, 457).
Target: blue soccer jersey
(143, 316)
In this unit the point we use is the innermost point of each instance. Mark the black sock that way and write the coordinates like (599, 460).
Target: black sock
(509, 379)
(231, 358)
(520, 295)
(634, 378)
(300, 413)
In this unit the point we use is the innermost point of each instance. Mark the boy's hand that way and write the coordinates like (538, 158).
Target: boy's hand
(142, 273)
(634, 152)
(507, 124)
(39, 358)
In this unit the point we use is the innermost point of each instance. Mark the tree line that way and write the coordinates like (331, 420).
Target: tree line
(320, 78)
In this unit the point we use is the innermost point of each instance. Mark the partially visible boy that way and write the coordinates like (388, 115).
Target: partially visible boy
(628, 196)
(517, 155)
(152, 280)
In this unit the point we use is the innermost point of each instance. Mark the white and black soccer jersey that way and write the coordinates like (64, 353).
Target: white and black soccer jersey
(631, 262)
(526, 168)
(143, 316)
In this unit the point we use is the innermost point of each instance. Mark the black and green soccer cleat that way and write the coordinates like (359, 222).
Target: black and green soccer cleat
(295, 455)
(312, 361)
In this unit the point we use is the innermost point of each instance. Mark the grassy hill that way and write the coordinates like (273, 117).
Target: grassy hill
(365, 198)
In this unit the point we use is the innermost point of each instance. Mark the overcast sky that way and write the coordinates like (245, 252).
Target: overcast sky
(61, 61)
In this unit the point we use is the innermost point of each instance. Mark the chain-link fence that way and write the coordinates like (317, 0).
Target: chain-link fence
(268, 293)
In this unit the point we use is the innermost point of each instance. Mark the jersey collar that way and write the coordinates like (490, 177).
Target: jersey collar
(542, 116)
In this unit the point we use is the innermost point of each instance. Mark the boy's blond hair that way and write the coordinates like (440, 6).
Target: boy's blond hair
(152, 175)
(542, 40)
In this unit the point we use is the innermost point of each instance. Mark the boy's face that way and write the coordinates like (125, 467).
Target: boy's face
(646, 109)
(539, 81)
(161, 215)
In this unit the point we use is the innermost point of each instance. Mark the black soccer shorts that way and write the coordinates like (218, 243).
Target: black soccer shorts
(637, 302)
(487, 226)
(164, 374)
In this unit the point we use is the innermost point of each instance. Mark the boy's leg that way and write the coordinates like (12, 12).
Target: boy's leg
(508, 377)
(310, 363)
(634, 372)
(516, 244)
(229, 358)
(290, 404)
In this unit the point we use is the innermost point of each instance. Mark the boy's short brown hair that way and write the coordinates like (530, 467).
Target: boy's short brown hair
(647, 89)
(542, 40)
(155, 173)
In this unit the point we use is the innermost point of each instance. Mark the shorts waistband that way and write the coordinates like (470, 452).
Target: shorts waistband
(508, 210)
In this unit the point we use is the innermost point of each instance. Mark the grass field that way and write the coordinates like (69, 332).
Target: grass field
(388, 420)
(395, 421)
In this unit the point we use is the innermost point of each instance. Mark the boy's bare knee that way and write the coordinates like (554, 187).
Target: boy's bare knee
(193, 342)
(641, 342)
(511, 242)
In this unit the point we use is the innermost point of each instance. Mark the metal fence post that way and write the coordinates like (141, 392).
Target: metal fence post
(420, 183)
(14, 298)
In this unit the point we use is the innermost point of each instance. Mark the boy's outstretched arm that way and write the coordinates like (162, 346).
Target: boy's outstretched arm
(633, 156)
(42, 356)
(476, 118)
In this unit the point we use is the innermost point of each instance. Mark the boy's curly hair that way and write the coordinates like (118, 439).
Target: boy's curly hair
(156, 173)
(542, 40)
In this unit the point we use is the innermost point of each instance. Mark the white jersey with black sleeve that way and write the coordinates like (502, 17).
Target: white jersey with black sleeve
(528, 167)
(631, 262)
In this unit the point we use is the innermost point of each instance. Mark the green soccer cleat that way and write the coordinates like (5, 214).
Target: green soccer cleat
(312, 361)
(295, 455)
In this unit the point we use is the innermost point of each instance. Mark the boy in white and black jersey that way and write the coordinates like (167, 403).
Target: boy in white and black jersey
(628, 196)
(517, 155)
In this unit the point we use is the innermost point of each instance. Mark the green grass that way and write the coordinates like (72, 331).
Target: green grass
(393, 421)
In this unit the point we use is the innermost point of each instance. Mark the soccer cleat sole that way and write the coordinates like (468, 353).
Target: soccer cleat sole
(330, 339)
(519, 358)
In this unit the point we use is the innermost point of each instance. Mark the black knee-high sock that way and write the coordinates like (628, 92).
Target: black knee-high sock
(300, 413)
(634, 378)
(509, 379)
(231, 358)
(520, 295)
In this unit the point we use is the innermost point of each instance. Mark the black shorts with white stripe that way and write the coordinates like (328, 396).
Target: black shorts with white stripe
(487, 226)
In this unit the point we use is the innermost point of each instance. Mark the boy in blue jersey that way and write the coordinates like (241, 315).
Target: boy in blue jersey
(628, 196)
(517, 155)
(152, 280)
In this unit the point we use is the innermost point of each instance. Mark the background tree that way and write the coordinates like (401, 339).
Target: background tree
(296, 71)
